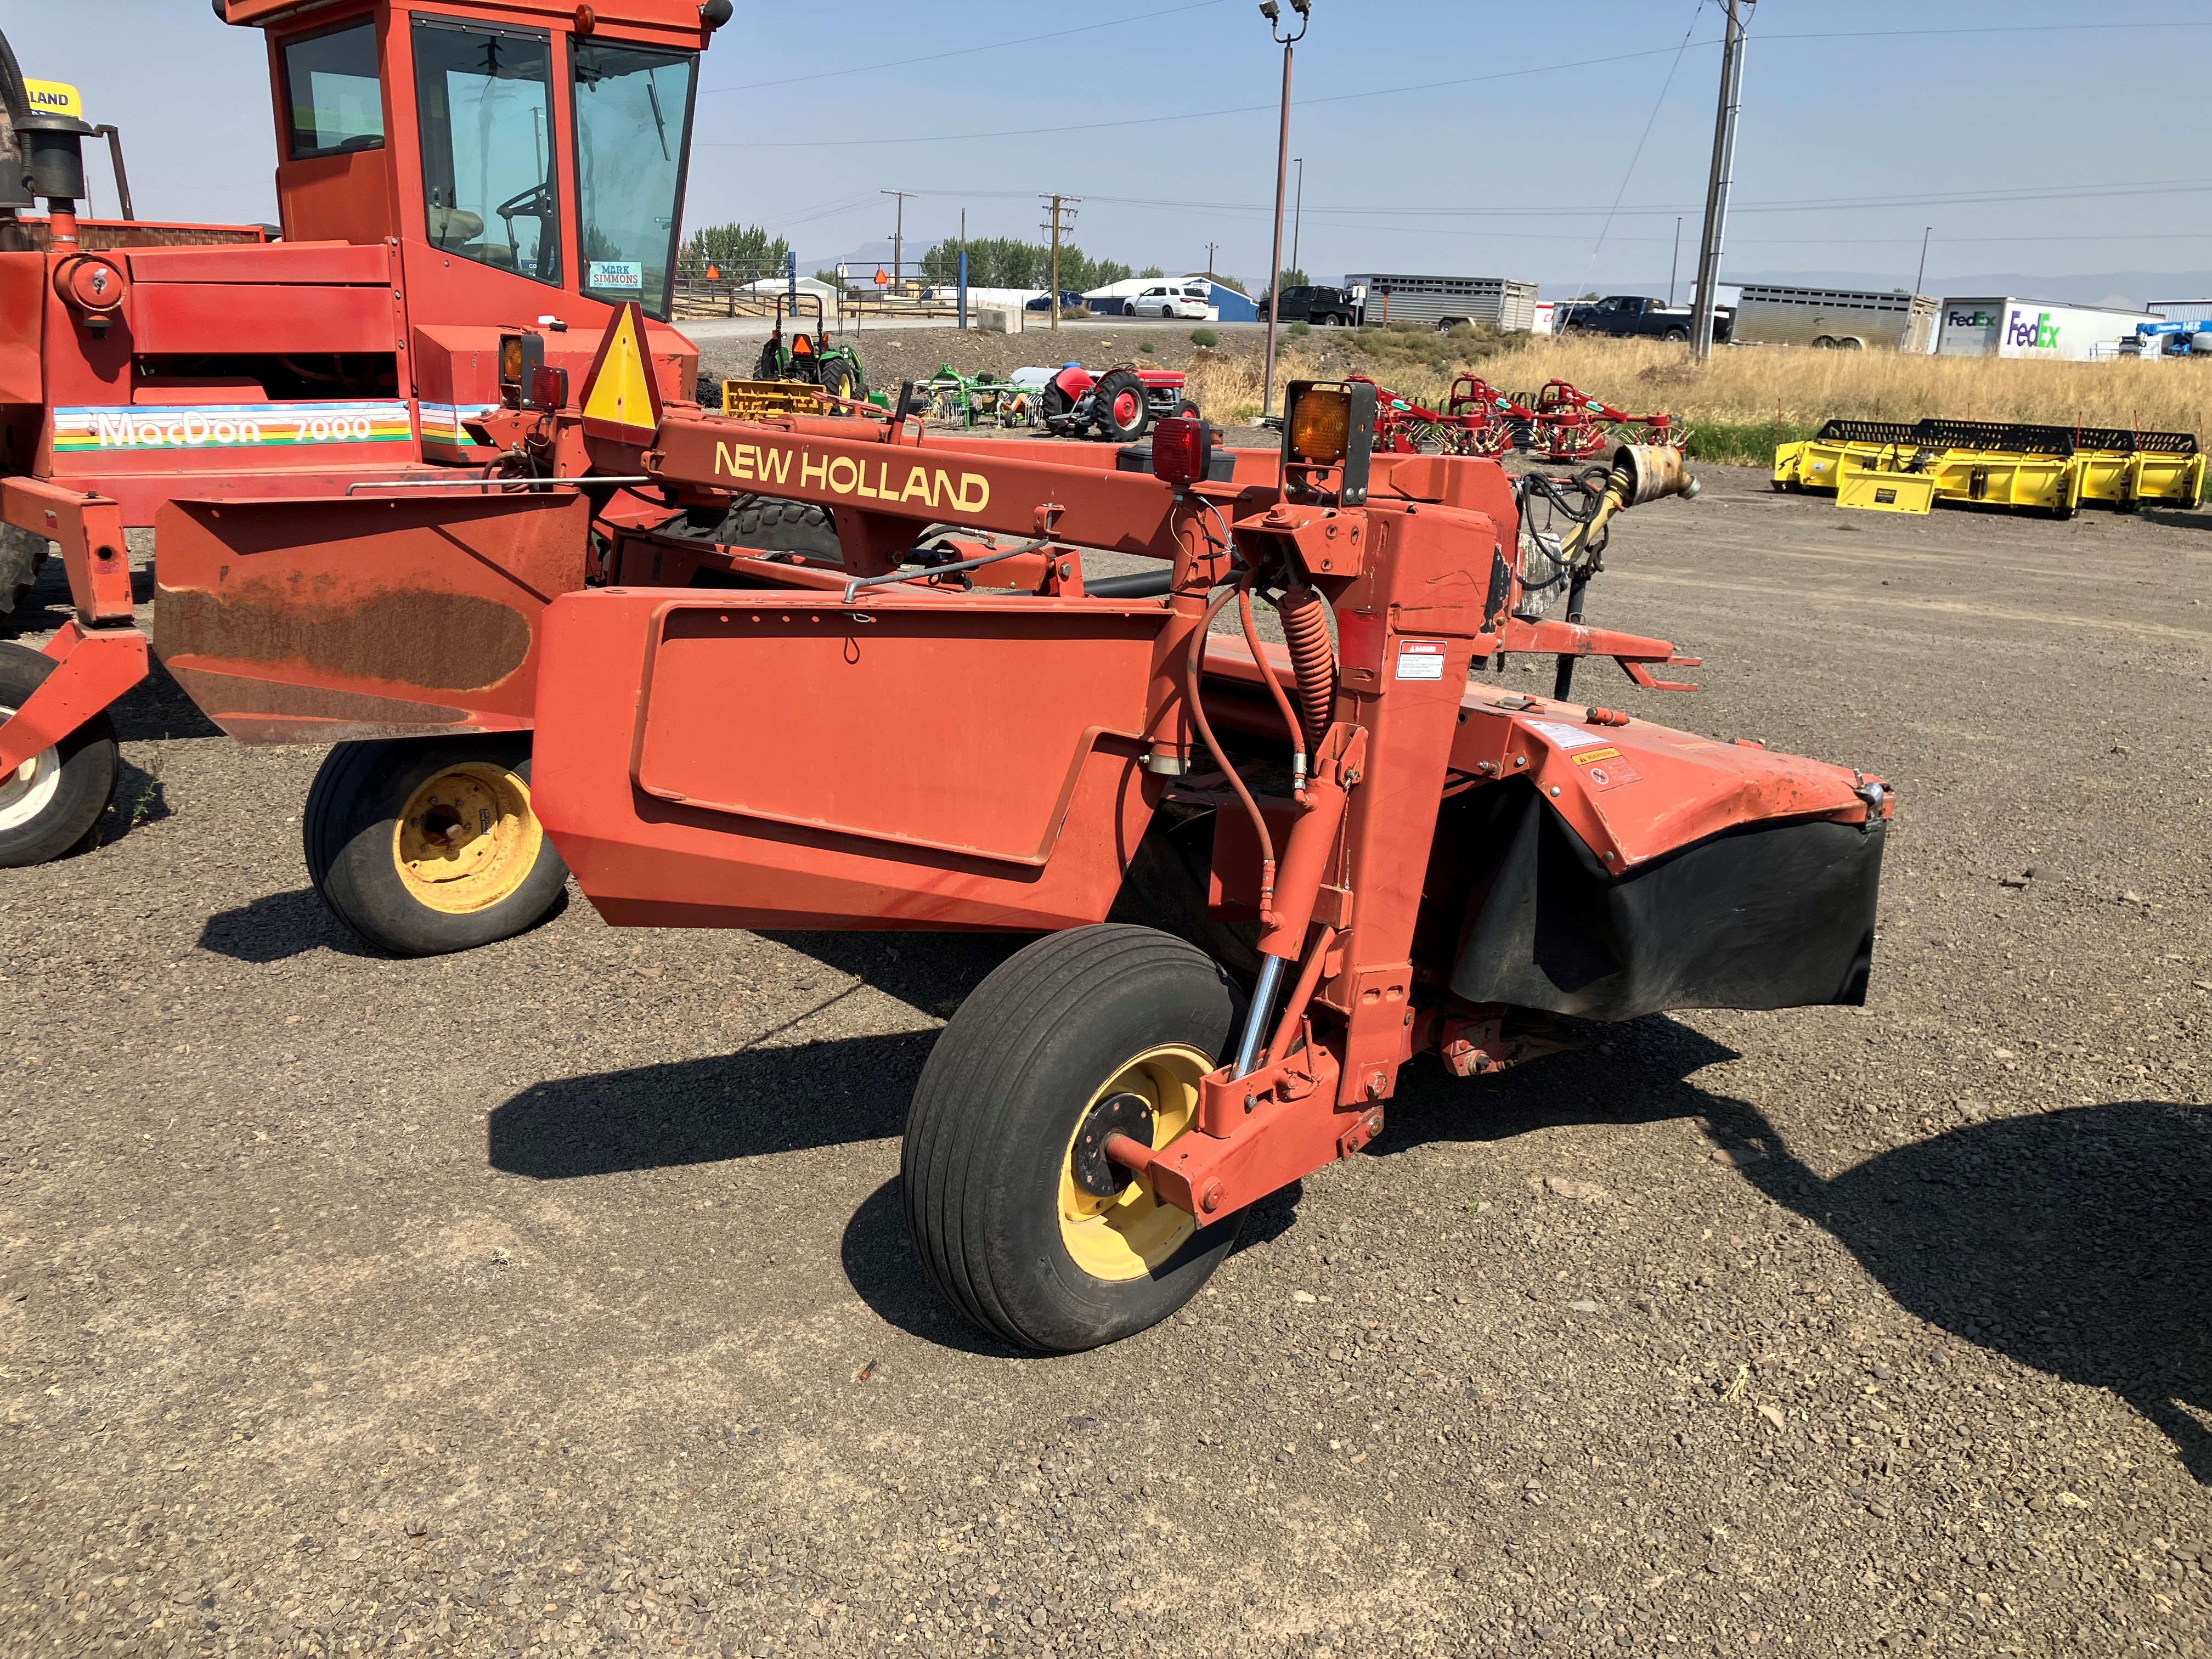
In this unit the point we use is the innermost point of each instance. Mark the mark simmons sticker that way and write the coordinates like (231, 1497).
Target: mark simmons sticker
(1420, 659)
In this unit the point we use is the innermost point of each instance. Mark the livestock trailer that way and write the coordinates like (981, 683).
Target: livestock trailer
(1506, 304)
(1851, 319)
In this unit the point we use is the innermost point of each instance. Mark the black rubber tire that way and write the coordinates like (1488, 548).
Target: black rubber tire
(842, 378)
(1129, 307)
(768, 369)
(769, 525)
(1188, 409)
(22, 553)
(997, 1103)
(1678, 335)
(86, 765)
(352, 810)
(1056, 407)
(1112, 385)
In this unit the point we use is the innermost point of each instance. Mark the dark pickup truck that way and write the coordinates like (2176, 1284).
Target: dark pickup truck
(1634, 314)
(1324, 307)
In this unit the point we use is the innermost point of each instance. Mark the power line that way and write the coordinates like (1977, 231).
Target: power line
(961, 51)
(1425, 86)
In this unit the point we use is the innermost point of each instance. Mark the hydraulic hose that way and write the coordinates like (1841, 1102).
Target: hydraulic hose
(1192, 675)
(13, 92)
(1305, 628)
(1282, 703)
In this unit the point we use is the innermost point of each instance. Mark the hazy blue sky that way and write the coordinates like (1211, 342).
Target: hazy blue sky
(1438, 134)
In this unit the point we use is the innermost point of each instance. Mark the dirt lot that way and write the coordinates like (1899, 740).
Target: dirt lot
(556, 1297)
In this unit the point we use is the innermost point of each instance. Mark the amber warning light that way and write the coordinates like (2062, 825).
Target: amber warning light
(1329, 427)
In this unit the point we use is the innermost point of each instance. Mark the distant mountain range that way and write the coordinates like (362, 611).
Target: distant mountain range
(2129, 289)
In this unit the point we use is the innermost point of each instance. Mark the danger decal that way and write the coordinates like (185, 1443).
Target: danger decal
(231, 426)
(1420, 659)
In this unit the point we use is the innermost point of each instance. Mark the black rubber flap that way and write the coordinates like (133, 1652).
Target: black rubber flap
(1770, 915)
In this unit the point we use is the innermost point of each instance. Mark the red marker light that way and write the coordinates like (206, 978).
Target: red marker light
(1183, 447)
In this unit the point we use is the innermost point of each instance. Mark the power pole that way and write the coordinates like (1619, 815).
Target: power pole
(1716, 188)
(1273, 12)
(1674, 264)
(1059, 204)
(898, 231)
(1210, 247)
(1921, 276)
(1297, 211)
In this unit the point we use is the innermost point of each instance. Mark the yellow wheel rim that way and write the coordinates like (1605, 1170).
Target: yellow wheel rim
(467, 838)
(1127, 1236)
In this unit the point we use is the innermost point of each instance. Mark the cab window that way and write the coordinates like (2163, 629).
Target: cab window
(633, 121)
(486, 96)
(331, 88)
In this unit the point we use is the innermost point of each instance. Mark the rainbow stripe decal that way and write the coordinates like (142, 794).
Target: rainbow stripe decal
(231, 426)
(442, 422)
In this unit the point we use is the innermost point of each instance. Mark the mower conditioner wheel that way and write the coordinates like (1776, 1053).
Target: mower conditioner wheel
(424, 846)
(50, 803)
(1017, 1215)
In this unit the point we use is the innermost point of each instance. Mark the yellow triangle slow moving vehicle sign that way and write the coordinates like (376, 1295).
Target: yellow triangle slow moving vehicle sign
(622, 396)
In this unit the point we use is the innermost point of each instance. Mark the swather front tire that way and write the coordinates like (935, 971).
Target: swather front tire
(1088, 1028)
(424, 846)
(50, 803)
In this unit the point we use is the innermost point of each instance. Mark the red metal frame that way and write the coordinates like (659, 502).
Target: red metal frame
(113, 435)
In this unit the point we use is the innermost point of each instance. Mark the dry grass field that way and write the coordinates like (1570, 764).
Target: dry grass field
(1744, 400)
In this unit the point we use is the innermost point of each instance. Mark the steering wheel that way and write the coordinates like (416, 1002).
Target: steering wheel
(535, 202)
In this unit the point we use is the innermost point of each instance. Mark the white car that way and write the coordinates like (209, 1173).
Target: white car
(1170, 300)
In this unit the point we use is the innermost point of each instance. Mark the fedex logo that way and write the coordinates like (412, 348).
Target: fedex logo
(2042, 332)
(1975, 319)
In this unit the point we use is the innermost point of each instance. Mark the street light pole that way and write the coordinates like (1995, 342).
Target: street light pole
(1297, 211)
(1921, 275)
(1717, 189)
(1273, 12)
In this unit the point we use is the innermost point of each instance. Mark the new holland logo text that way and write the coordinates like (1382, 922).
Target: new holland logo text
(2042, 334)
(843, 475)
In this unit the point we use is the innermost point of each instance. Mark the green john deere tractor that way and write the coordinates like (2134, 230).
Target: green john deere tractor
(800, 356)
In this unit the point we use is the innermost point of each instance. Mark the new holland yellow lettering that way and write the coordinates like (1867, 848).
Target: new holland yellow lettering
(943, 490)
(775, 465)
(917, 483)
(976, 484)
(852, 475)
(811, 471)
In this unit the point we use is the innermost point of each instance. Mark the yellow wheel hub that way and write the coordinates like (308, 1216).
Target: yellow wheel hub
(467, 838)
(1130, 1234)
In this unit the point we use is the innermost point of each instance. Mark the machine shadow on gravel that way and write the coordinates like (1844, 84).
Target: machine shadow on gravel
(273, 927)
(756, 1101)
(2076, 1242)
(884, 1272)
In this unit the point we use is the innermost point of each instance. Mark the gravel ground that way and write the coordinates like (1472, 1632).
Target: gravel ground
(556, 1297)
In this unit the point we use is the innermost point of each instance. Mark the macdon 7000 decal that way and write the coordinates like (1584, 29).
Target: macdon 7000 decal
(841, 475)
(231, 426)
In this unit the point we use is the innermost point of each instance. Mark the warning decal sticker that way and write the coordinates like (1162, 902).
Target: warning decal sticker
(1420, 659)
(1560, 736)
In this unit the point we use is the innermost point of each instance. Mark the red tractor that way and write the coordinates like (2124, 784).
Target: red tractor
(447, 170)
(1117, 406)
